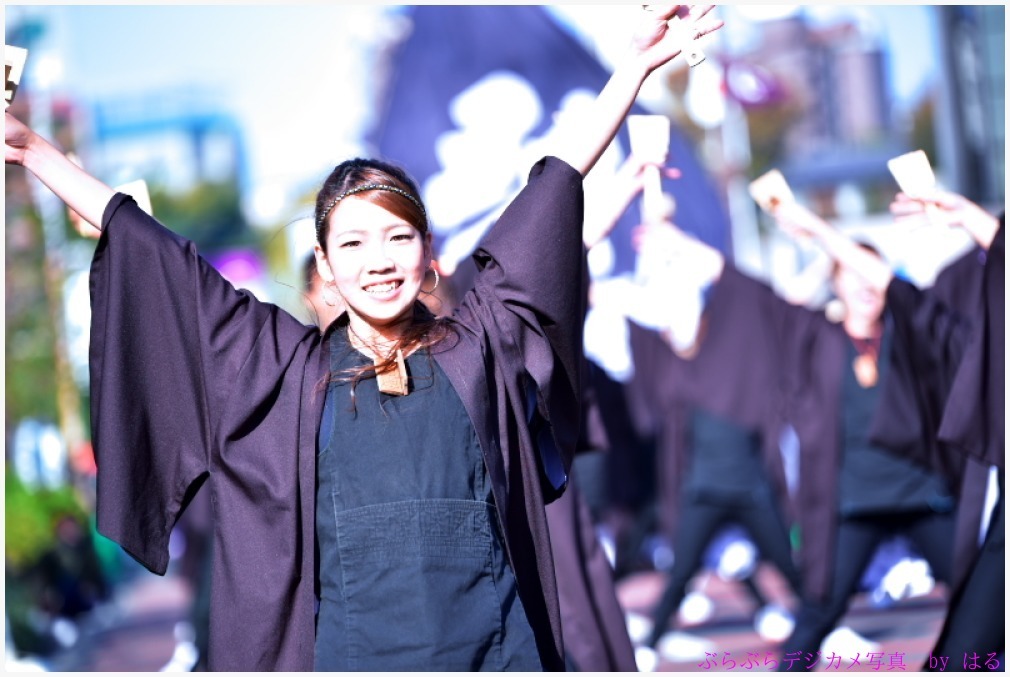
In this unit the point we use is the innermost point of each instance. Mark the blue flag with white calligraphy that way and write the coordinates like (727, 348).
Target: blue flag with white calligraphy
(472, 95)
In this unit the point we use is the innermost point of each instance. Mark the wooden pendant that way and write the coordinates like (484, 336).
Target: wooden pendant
(866, 370)
(393, 380)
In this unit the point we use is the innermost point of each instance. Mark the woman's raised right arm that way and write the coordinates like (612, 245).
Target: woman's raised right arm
(950, 209)
(798, 221)
(82, 192)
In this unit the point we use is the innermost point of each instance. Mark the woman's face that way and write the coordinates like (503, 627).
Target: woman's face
(377, 260)
(861, 300)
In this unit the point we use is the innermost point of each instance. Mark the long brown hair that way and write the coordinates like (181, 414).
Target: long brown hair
(425, 330)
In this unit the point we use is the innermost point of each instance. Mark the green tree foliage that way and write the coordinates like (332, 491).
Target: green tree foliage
(767, 127)
(30, 360)
(924, 129)
(29, 519)
(210, 215)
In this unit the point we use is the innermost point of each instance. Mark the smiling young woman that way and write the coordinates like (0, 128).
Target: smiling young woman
(374, 250)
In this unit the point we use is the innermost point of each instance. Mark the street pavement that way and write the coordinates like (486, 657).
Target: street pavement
(136, 632)
(726, 641)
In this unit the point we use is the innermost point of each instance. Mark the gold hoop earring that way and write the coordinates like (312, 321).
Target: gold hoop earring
(330, 289)
(835, 310)
(437, 280)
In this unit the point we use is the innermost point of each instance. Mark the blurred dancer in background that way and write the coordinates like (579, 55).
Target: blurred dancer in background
(944, 406)
(793, 366)
(713, 470)
(713, 473)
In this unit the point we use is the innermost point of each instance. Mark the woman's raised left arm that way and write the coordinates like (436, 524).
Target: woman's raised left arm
(655, 43)
(82, 192)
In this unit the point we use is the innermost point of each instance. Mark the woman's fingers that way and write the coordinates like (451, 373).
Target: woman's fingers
(693, 17)
(696, 12)
(664, 11)
(708, 27)
(904, 204)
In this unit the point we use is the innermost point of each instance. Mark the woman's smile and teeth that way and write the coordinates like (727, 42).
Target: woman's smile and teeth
(382, 288)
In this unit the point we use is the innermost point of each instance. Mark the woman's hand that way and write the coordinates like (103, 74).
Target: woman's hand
(17, 139)
(655, 42)
(80, 191)
(667, 241)
(580, 142)
(946, 208)
(953, 206)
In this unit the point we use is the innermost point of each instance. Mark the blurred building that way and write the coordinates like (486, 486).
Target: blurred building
(971, 101)
(837, 76)
(836, 121)
(846, 131)
(840, 75)
(177, 138)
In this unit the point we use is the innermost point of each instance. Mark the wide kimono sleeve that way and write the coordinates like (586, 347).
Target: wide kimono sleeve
(754, 350)
(531, 276)
(930, 339)
(974, 418)
(949, 364)
(169, 336)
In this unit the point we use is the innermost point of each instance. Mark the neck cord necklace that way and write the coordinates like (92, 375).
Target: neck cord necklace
(865, 363)
(390, 372)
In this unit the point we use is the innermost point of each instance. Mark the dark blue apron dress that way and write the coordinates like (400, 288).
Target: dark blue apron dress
(412, 570)
(873, 480)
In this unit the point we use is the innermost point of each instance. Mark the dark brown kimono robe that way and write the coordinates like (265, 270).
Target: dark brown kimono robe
(596, 636)
(193, 382)
(912, 403)
(952, 340)
(944, 404)
(595, 632)
(974, 417)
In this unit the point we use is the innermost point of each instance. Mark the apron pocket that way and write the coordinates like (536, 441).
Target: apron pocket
(419, 589)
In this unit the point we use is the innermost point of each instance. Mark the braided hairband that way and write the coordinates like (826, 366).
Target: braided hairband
(360, 189)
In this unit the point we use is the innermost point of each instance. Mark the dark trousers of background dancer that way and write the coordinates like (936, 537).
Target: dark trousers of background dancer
(700, 520)
(857, 540)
